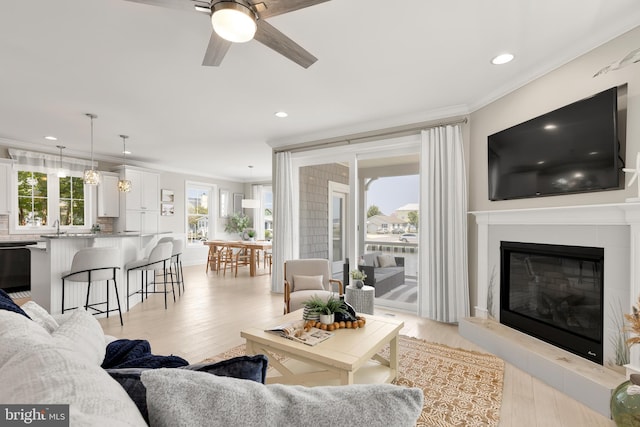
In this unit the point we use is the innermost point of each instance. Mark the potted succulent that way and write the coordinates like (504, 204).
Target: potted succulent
(326, 309)
(252, 234)
(358, 278)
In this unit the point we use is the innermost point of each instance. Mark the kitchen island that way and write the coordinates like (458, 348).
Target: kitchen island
(52, 257)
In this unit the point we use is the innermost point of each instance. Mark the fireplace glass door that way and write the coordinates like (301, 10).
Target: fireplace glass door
(554, 292)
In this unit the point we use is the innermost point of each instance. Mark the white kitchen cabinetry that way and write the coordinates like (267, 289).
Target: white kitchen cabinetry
(146, 222)
(140, 207)
(108, 195)
(5, 185)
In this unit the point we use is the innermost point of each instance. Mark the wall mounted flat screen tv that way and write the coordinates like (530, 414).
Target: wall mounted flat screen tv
(573, 149)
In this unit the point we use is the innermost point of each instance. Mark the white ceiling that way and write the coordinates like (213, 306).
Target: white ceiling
(380, 63)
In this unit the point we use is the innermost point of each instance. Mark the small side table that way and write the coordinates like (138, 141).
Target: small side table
(361, 299)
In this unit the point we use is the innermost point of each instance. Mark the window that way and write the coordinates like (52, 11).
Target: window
(40, 193)
(32, 199)
(199, 212)
(71, 200)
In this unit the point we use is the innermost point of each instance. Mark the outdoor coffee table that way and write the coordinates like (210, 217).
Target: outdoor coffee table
(348, 357)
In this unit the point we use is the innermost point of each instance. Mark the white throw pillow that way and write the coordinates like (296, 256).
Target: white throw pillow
(307, 283)
(178, 397)
(18, 333)
(82, 335)
(39, 315)
(386, 261)
(44, 374)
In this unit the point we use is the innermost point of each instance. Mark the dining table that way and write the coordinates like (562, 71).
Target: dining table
(252, 246)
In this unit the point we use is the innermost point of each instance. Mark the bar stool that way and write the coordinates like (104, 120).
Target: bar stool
(159, 259)
(176, 260)
(93, 265)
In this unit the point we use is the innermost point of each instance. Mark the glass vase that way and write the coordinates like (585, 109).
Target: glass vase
(625, 408)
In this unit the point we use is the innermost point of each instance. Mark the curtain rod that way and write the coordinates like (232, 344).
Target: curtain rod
(340, 141)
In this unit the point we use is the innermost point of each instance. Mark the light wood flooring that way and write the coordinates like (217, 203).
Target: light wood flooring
(207, 319)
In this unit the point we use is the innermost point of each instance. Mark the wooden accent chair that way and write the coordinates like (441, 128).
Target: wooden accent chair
(304, 278)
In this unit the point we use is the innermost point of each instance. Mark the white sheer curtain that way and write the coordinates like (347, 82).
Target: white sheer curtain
(285, 220)
(443, 226)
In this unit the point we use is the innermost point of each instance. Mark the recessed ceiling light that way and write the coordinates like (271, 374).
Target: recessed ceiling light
(503, 58)
(51, 138)
(282, 114)
(550, 126)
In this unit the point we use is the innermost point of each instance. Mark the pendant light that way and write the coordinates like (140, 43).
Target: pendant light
(124, 185)
(61, 172)
(91, 176)
(250, 203)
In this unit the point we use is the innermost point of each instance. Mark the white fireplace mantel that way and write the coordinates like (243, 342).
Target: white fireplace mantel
(622, 214)
(606, 214)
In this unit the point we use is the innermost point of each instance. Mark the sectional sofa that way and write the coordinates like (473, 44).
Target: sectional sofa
(47, 362)
(384, 272)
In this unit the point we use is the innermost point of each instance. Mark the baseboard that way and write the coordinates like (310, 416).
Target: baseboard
(585, 381)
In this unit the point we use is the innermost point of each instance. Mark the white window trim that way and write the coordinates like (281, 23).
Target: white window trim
(213, 209)
(53, 203)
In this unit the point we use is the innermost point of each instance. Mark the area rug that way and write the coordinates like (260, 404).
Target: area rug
(461, 387)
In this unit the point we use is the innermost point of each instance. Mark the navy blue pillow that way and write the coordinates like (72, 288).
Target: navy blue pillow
(252, 368)
(6, 303)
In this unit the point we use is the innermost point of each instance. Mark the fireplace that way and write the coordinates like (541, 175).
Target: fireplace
(554, 293)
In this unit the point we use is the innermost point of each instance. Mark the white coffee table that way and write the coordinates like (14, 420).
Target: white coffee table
(349, 357)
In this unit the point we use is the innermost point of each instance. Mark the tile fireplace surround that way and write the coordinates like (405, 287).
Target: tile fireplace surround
(614, 227)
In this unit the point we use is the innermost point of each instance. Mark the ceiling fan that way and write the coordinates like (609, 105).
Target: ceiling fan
(237, 21)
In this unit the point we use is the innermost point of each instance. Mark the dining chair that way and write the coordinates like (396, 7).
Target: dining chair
(213, 257)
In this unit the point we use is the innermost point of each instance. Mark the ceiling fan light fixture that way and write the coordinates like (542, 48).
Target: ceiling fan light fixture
(233, 21)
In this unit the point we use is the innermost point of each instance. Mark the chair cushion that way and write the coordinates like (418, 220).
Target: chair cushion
(177, 397)
(298, 298)
(301, 283)
(386, 260)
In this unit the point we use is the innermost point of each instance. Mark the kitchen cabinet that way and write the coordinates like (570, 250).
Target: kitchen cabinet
(140, 207)
(145, 222)
(108, 195)
(145, 193)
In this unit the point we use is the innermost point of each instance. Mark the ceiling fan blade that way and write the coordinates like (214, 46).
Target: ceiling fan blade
(216, 50)
(171, 4)
(269, 36)
(278, 7)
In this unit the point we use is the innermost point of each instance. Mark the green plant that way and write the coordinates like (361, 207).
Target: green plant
(251, 233)
(321, 306)
(357, 275)
(237, 223)
(268, 234)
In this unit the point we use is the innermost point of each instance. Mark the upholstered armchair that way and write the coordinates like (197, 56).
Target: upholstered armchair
(304, 278)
